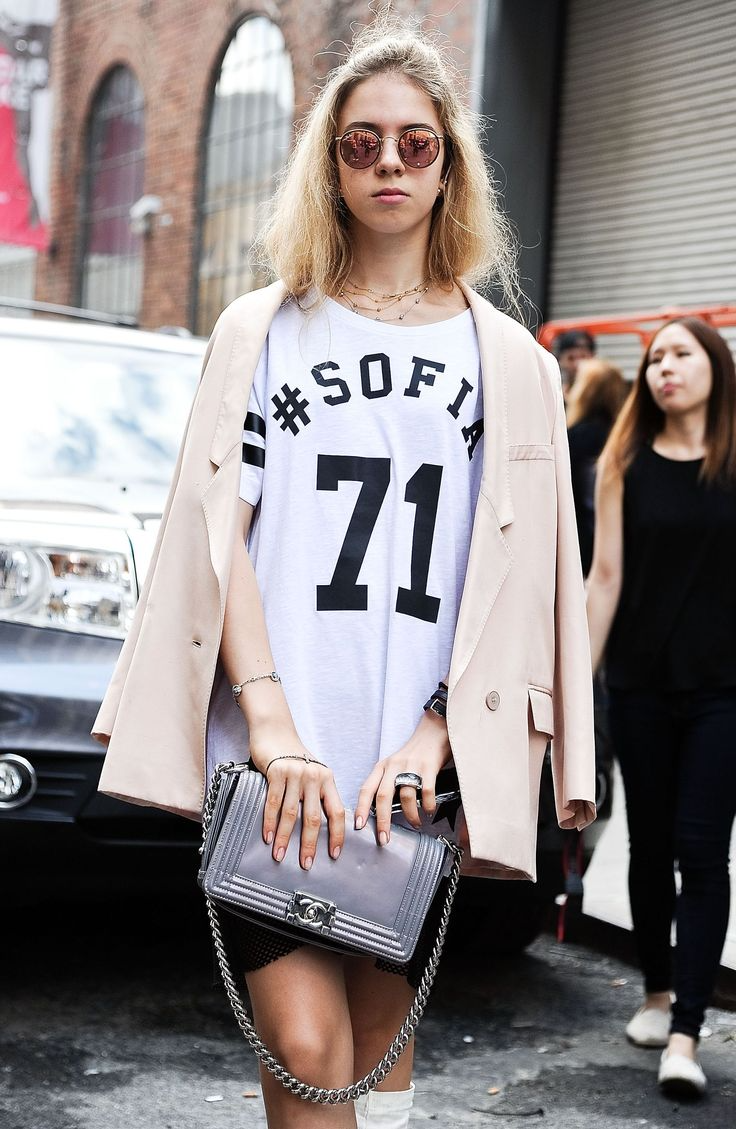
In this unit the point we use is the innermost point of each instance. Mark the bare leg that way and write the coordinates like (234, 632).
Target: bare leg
(662, 1001)
(378, 1004)
(683, 1045)
(300, 1011)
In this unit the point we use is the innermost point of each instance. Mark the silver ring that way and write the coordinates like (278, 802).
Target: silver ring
(408, 780)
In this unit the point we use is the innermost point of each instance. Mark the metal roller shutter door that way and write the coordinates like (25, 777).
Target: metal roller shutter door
(645, 199)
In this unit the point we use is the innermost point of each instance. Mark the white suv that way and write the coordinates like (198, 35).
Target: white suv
(90, 426)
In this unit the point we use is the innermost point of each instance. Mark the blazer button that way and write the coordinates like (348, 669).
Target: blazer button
(493, 700)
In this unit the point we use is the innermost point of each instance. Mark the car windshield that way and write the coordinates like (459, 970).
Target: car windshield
(91, 410)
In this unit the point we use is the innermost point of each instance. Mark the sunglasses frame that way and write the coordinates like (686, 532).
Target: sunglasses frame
(388, 137)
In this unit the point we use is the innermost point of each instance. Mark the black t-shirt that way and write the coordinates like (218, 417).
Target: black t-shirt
(675, 626)
(587, 439)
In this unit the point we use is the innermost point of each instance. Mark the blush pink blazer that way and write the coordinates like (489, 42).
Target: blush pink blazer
(520, 672)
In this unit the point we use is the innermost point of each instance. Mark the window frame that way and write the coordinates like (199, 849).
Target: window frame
(195, 297)
(97, 111)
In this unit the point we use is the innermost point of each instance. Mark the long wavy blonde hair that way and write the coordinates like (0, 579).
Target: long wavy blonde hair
(306, 240)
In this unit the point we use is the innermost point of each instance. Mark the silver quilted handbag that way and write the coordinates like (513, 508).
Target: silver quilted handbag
(370, 902)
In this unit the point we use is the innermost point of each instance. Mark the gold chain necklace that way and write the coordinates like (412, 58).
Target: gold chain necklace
(379, 309)
(374, 296)
(351, 296)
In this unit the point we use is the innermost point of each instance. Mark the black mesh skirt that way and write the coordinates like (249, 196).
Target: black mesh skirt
(250, 946)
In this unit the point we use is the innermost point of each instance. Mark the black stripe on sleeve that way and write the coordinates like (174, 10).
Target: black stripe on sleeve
(254, 456)
(255, 424)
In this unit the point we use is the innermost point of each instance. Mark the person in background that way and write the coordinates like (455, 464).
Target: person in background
(662, 603)
(593, 404)
(571, 349)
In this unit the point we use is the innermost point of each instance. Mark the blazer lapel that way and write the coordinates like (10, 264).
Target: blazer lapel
(490, 557)
(494, 369)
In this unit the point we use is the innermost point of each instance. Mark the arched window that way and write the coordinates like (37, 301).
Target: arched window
(248, 135)
(110, 260)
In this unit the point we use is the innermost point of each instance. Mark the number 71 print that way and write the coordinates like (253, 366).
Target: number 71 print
(343, 593)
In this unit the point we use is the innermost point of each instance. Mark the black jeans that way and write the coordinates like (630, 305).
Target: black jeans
(677, 753)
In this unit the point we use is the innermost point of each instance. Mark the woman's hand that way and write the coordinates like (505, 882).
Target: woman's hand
(426, 751)
(291, 782)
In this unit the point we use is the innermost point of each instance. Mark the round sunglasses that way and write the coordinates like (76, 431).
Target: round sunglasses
(418, 147)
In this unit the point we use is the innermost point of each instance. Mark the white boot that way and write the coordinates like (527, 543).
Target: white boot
(384, 1109)
(361, 1111)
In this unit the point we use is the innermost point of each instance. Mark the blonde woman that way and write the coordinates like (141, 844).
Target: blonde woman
(379, 555)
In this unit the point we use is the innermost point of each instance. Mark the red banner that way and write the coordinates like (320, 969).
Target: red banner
(24, 121)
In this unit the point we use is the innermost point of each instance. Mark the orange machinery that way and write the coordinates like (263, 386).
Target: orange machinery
(643, 325)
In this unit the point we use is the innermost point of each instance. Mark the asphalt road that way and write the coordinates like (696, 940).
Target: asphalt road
(110, 1019)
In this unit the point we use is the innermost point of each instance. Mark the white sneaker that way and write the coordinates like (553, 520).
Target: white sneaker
(650, 1027)
(681, 1077)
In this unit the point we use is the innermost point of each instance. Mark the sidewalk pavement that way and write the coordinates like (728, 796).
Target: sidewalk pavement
(606, 893)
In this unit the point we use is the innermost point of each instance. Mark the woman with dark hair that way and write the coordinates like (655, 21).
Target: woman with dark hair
(571, 349)
(662, 602)
(593, 404)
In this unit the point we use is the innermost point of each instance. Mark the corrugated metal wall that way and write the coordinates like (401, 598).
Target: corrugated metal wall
(645, 201)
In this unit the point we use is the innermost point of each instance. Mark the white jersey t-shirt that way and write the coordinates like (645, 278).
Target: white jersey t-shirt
(362, 449)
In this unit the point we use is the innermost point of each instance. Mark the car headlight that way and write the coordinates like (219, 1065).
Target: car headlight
(75, 578)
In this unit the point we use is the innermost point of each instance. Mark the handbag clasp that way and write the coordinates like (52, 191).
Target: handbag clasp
(314, 913)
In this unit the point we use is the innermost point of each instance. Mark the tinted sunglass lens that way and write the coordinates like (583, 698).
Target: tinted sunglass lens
(418, 148)
(359, 148)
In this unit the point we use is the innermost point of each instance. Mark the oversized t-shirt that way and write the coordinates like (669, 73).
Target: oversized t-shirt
(362, 451)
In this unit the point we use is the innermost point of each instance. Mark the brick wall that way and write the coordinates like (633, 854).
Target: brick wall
(175, 48)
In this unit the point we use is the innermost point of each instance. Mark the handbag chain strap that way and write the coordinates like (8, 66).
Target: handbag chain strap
(295, 1085)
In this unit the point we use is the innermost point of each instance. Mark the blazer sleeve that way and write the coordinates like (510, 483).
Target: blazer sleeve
(573, 747)
(102, 729)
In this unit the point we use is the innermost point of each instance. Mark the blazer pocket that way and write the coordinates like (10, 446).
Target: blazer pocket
(542, 709)
(525, 452)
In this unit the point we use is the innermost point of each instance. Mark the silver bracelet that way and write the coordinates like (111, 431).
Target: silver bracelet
(293, 757)
(237, 689)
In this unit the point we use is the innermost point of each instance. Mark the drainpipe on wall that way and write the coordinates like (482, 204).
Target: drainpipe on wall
(477, 66)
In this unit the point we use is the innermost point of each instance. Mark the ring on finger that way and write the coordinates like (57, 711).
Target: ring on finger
(408, 780)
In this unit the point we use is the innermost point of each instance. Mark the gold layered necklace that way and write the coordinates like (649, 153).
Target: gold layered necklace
(380, 303)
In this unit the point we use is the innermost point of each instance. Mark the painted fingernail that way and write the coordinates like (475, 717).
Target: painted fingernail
(335, 852)
(307, 863)
(269, 837)
(280, 854)
(359, 821)
(382, 838)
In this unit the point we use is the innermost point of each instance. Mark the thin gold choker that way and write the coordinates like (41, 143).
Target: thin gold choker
(374, 295)
(379, 309)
